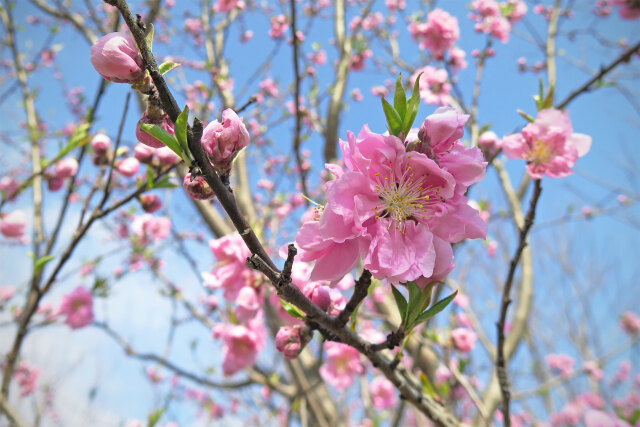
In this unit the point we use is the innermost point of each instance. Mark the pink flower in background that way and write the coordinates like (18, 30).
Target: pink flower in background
(100, 143)
(167, 156)
(8, 187)
(228, 5)
(66, 168)
(223, 141)
(115, 57)
(150, 203)
(561, 363)
(26, 377)
(13, 224)
(78, 307)
(197, 187)
(548, 145)
(6, 293)
(342, 363)
(456, 58)
(593, 418)
(164, 122)
(150, 228)
(488, 139)
(230, 272)
(269, 87)
(291, 340)
(463, 339)
(128, 166)
(434, 88)
(143, 153)
(438, 34)
(629, 9)
(153, 375)
(399, 210)
(358, 60)
(630, 322)
(247, 304)
(492, 247)
(394, 5)
(318, 58)
(241, 345)
(593, 370)
(279, 25)
(383, 393)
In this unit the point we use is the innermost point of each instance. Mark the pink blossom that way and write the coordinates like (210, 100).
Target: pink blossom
(269, 87)
(456, 58)
(266, 184)
(150, 228)
(100, 143)
(463, 339)
(630, 322)
(434, 88)
(143, 153)
(231, 272)
(223, 141)
(241, 346)
(629, 9)
(488, 139)
(8, 187)
(593, 370)
(593, 418)
(13, 224)
(246, 36)
(54, 183)
(115, 57)
(318, 294)
(357, 61)
(318, 58)
(397, 209)
(461, 300)
(153, 375)
(197, 187)
(560, 362)
(492, 246)
(163, 122)
(438, 34)
(167, 156)
(247, 304)
(6, 293)
(341, 365)
(27, 377)
(278, 26)
(548, 145)
(66, 168)
(291, 340)
(379, 91)
(394, 5)
(150, 203)
(193, 26)
(442, 374)
(356, 94)
(383, 393)
(78, 307)
(128, 166)
(228, 5)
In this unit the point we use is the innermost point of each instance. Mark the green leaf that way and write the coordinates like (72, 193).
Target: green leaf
(180, 130)
(393, 119)
(78, 138)
(292, 310)
(548, 100)
(154, 417)
(149, 178)
(427, 387)
(526, 116)
(164, 183)
(418, 301)
(163, 136)
(435, 308)
(41, 262)
(400, 98)
(401, 302)
(167, 66)
(413, 106)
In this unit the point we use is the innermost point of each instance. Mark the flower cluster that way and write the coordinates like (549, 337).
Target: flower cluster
(398, 207)
(548, 145)
(495, 18)
(438, 34)
(78, 307)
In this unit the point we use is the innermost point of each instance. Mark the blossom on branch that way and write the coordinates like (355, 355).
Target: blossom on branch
(116, 58)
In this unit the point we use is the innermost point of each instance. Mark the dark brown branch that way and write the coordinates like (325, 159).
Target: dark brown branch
(501, 360)
(360, 292)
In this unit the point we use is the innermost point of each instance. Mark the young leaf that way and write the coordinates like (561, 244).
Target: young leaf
(401, 302)
(149, 178)
(292, 310)
(163, 136)
(393, 119)
(548, 101)
(526, 116)
(400, 98)
(78, 138)
(164, 183)
(418, 299)
(41, 262)
(413, 106)
(154, 417)
(435, 308)
(167, 66)
(180, 130)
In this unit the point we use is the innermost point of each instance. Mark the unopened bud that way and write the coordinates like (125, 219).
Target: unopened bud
(291, 340)
(197, 188)
(116, 58)
(164, 122)
(223, 141)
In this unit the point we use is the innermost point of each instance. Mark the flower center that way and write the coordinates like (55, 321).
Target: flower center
(540, 152)
(404, 199)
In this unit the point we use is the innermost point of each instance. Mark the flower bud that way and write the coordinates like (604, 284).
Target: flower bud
(143, 153)
(488, 139)
(13, 224)
(66, 168)
(223, 141)
(320, 296)
(164, 122)
(8, 187)
(150, 203)
(291, 340)
(115, 57)
(128, 167)
(197, 188)
(54, 183)
(100, 144)
(167, 156)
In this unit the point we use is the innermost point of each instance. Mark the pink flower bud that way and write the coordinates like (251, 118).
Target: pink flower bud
(101, 144)
(13, 224)
(630, 322)
(128, 167)
(291, 340)
(223, 141)
(54, 183)
(8, 187)
(167, 156)
(197, 188)
(145, 138)
(488, 139)
(115, 57)
(463, 339)
(319, 295)
(150, 203)
(143, 153)
(66, 168)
